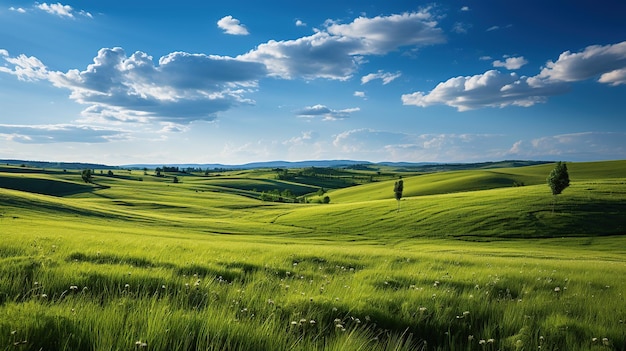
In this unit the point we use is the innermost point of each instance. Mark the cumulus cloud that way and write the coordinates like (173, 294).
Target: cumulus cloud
(605, 61)
(317, 56)
(327, 113)
(616, 77)
(61, 10)
(299, 23)
(232, 26)
(17, 9)
(360, 94)
(511, 63)
(181, 88)
(382, 34)
(25, 68)
(337, 51)
(496, 89)
(490, 89)
(62, 133)
(386, 77)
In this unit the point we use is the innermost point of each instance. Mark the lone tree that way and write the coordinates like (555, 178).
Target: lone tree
(86, 175)
(558, 180)
(397, 189)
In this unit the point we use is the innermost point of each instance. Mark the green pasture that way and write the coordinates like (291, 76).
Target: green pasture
(473, 260)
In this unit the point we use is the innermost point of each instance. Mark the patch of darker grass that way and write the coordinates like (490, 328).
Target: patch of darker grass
(18, 277)
(11, 251)
(44, 186)
(49, 332)
(328, 266)
(98, 258)
(201, 272)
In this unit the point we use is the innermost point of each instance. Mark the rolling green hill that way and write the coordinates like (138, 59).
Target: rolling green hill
(471, 261)
(478, 179)
(473, 204)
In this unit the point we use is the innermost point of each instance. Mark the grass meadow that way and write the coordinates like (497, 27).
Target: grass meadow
(469, 262)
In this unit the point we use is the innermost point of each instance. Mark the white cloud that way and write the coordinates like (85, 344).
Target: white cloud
(303, 138)
(17, 9)
(384, 145)
(186, 87)
(168, 127)
(181, 88)
(299, 23)
(461, 28)
(465, 8)
(496, 89)
(511, 63)
(382, 34)
(317, 56)
(25, 68)
(232, 26)
(337, 51)
(366, 140)
(616, 77)
(386, 77)
(61, 10)
(62, 133)
(573, 147)
(360, 94)
(327, 113)
(492, 28)
(594, 61)
(490, 89)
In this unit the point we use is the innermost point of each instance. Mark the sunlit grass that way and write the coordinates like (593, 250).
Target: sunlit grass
(152, 265)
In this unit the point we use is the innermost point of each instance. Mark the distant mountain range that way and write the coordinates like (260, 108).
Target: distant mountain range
(425, 166)
(284, 164)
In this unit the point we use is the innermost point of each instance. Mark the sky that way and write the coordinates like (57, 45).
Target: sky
(162, 82)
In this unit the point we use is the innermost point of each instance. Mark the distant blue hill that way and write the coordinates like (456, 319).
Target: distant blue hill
(398, 166)
(281, 164)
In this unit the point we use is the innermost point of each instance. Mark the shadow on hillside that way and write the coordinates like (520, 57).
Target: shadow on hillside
(47, 186)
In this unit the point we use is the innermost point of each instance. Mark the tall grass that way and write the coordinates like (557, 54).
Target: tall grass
(69, 291)
(149, 265)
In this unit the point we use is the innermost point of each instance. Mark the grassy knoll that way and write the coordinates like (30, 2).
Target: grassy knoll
(137, 262)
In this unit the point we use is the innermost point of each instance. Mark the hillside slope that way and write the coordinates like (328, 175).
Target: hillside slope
(447, 204)
(473, 180)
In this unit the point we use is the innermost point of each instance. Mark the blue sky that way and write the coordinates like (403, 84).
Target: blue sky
(232, 82)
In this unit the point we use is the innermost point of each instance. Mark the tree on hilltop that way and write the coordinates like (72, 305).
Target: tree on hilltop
(397, 189)
(558, 180)
(86, 175)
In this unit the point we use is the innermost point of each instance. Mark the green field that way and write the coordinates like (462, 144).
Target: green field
(475, 259)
